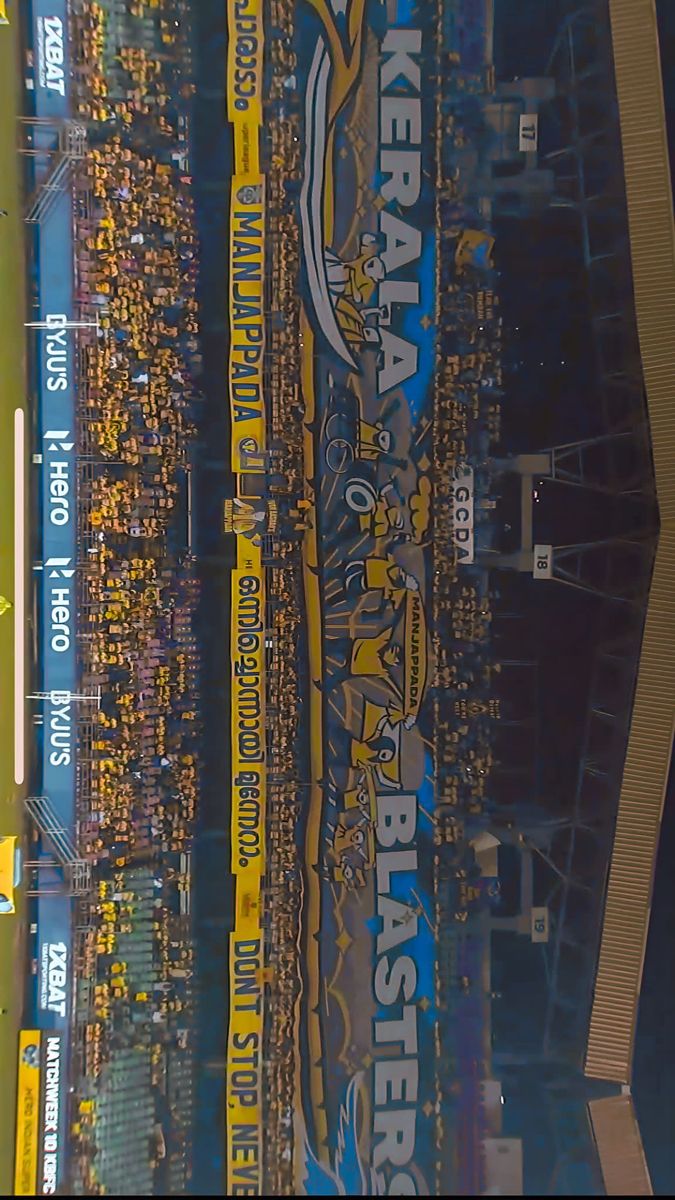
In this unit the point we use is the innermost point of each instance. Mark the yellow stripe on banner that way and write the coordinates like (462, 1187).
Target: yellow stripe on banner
(27, 1113)
(247, 322)
(244, 81)
(247, 410)
(243, 1107)
(246, 154)
(248, 725)
(245, 1032)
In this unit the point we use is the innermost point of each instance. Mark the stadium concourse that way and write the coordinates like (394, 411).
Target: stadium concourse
(323, 585)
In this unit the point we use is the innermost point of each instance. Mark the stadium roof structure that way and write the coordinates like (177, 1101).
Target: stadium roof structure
(611, 1035)
(617, 1138)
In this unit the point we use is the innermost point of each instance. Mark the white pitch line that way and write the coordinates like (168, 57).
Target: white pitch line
(19, 597)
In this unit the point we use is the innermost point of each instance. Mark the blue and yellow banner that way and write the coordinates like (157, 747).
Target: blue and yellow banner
(368, 243)
(354, 122)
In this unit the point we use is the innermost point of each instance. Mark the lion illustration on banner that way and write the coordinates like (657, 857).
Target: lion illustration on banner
(351, 285)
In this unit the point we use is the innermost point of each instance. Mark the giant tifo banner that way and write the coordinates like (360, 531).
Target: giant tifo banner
(368, 1062)
(372, 1083)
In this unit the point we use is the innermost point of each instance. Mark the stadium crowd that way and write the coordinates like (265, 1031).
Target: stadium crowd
(135, 274)
(286, 797)
(283, 176)
(137, 266)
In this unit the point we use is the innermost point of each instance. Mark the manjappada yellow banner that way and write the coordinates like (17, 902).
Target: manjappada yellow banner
(247, 322)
